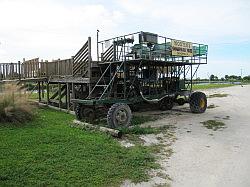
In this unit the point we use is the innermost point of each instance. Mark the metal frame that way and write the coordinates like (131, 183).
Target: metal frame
(164, 71)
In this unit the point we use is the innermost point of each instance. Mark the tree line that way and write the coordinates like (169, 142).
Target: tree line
(230, 78)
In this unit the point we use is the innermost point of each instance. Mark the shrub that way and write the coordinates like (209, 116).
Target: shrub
(14, 105)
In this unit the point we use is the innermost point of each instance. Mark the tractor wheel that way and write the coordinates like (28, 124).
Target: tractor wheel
(198, 102)
(89, 114)
(166, 104)
(119, 115)
(181, 101)
(79, 111)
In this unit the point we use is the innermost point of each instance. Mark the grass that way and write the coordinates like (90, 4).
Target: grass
(210, 86)
(217, 95)
(14, 105)
(47, 152)
(213, 124)
(135, 125)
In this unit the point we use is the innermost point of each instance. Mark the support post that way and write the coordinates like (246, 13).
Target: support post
(73, 94)
(42, 90)
(68, 97)
(19, 70)
(97, 47)
(60, 94)
(47, 69)
(39, 91)
(47, 85)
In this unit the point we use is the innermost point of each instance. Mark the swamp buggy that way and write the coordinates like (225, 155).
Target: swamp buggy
(138, 70)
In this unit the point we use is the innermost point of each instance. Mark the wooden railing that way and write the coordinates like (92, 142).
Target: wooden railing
(82, 60)
(10, 71)
(78, 65)
(35, 69)
(59, 67)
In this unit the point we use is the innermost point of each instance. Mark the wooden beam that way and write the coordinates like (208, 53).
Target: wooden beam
(39, 91)
(60, 94)
(47, 85)
(42, 89)
(83, 125)
(19, 70)
(89, 63)
(68, 96)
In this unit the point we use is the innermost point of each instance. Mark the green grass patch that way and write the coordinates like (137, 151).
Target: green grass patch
(138, 130)
(47, 152)
(33, 96)
(210, 86)
(217, 95)
(138, 120)
(213, 124)
(135, 125)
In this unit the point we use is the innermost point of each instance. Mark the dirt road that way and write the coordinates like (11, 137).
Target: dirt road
(203, 157)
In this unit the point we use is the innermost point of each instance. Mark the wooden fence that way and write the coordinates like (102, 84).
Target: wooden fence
(35, 69)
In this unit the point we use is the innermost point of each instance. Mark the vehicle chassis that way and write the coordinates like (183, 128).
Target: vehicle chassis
(128, 78)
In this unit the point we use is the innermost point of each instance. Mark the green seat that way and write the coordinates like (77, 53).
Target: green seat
(162, 49)
(200, 50)
(140, 50)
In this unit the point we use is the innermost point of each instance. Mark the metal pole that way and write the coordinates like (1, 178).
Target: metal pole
(97, 48)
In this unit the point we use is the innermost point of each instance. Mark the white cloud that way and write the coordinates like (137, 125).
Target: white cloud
(56, 29)
(49, 28)
(210, 19)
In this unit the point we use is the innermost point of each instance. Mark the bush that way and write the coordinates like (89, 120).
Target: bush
(14, 105)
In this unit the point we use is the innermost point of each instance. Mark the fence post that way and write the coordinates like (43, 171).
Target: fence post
(47, 69)
(68, 97)
(39, 91)
(19, 69)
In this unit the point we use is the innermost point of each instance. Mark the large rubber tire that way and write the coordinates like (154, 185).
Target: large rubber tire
(84, 113)
(198, 102)
(166, 104)
(119, 115)
(181, 101)
(79, 111)
(89, 114)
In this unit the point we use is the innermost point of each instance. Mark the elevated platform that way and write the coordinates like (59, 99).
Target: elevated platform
(146, 61)
(158, 62)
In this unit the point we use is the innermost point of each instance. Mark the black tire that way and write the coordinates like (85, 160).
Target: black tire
(198, 102)
(89, 114)
(79, 111)
(181, 101)
(119, 115)
(166, 104)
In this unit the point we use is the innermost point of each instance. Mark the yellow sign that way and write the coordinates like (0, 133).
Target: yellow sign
(181, 48)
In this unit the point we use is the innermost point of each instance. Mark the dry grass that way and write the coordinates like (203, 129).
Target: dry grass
(14, 105)
(214, 125)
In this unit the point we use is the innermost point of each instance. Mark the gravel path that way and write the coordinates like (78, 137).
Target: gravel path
(203, 157)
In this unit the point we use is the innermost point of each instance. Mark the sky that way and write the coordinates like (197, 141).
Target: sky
(52, 29)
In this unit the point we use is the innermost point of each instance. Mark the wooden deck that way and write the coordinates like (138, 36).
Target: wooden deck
(57, 81)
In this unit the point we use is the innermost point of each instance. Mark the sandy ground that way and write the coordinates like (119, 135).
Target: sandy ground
(203, 157)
